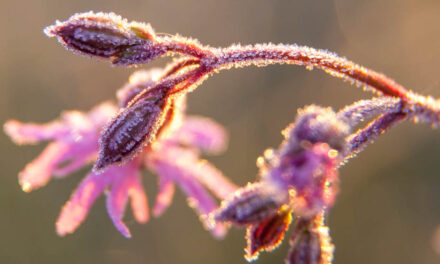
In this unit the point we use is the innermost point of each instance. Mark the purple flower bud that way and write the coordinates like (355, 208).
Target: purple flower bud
(318, 124)
(132, 128)
(249, 205)
(310, 243)
(267, 234)
(107, 35)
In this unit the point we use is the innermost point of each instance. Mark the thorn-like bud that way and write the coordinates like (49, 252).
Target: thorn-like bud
(132, 128)
(250, 205)
(107, 35)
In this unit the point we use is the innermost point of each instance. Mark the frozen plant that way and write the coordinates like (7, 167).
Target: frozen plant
(298, 181)
(174, 157)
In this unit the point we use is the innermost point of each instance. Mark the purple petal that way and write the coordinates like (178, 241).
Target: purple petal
(208, 175)
(173, 163)
(38, 172)
(74, 164)
(164, 195)
(202, 133)
(101, 114)
(116, 203)
(31, 133)
(139, 203)
(199, 199)
(76, 209)
(79, 153)
(126, 184)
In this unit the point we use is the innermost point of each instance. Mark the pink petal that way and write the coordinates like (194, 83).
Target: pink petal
(203, 133)
(127, 183)
(139, 202)
(76, 209)
(173, 162)
(212, 178)
(73, 165)
(116, 202)
(199, 199)
(81, 152)
(37, 173)
(164, 195)
(101, 114)
(31, 133)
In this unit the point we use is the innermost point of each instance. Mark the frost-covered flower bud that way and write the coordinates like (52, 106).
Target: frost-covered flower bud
(267, 234)
(310, 243)
(318, 124)
(107, 35)
(132, 128)
(251, 204)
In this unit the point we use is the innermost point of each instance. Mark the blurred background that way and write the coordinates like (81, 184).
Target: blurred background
(388, 210)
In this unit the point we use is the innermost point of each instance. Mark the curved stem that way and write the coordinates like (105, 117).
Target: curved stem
(365, 136)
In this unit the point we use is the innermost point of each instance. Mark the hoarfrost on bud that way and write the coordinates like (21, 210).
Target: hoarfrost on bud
(251, 204)
(267, 234)
(132, 128)
(318, 124)
(310, 243)
(107, 35)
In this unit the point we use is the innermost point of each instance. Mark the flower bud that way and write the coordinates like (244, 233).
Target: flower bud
(267, 234)
(249, 205)
(132, 128)
(107, 35)
(317, 124)
(310, 243)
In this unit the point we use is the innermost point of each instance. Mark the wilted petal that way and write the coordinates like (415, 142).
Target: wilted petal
(76, 209)
(132, 129)
(202, 133)
(267, 234)
(164, 195)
